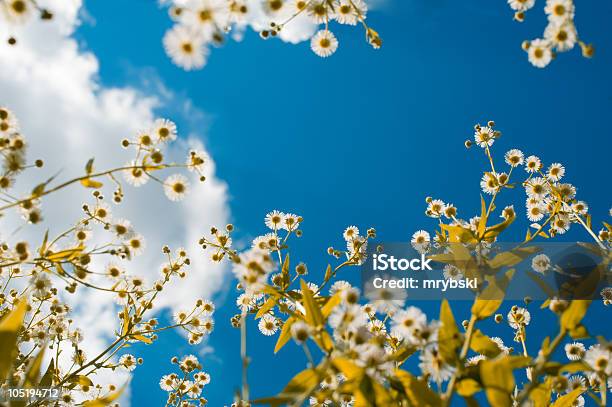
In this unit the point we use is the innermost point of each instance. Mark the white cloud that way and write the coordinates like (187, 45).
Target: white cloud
(67, 116)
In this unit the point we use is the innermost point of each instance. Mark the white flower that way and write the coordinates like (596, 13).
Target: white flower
(275, 220)
(268, 325)
(350, 233)
(519, 317)
(489, 183)
(559, 11)
(346, 13)
(176, 187)
(185, 47)
(164, 130)
(324, 43)
(541, 263)
(135, 175)
(535, 213)
(500, 344)
(532, 164)
(432, 363)
(339, 285)
(540, 53)
(514, 157)
(576, 382)
(204, 16)
(555, 172)
(484, 136)
(128, 362)
(291, 222)
(300, 331)
(420, 239)
(562, 36)
(40, 284)
(521, 5)
(405, 322)
(17, 11)
(599, 359)
(168, 382)
(574, 351)
(452, 273)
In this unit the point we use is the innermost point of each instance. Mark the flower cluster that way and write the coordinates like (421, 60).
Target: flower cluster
(185, 389)
(93, 253)
(560, 34)
(356, 344)
(200, 24)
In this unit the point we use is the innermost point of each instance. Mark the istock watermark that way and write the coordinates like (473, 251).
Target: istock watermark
(511, 271)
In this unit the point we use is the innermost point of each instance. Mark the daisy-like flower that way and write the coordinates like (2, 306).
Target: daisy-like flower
(324, 43)
(40, 284)
(555, 172)
(433, 364)
(537, 187)
(17, 11)
(500, 344)
(540, 53)
(350, 233)
(176, 187)
(245, 302)
(320, 12)
(514, 157)
(185, 47)
(339, 286)
(541, 263)
(474, 360)
(532, 164)
(559, 11)
(405, 322)
(450, 211)
(452, 273)
(576, 382)
(567, 191)
(82, 233)
(420, 239)
(563, 36)
(580, 207)
(189, 363)
(275, 220)
(168, 382)
(205, 16)
(291, 222)
(435, 208)
(113, 271)
(484, 136)
(102, 212)
(535, 213)
(8, 122)
(574, 351)
(521, 5)
(122, 228)
(164, 130)
(489, 183)
(560, 223)
(136, 244)
(599, 359)
(128, 362)
(268, 325)
(508, 212)
(518, 317)
(273, 7)
(346, 13)
(300, 331)
(135, 176)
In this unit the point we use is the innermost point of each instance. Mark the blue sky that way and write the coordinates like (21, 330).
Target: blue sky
(363, 137)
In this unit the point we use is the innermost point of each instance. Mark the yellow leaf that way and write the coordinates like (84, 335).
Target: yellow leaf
(81, 380)
(90, 183)
(143, 338)
(350, 370)
(65, 255)
(106, 400)
(484, 345)
(9, 326)
(285, 334)
(540, 395)
(482, 223)
(313, 313)
(31, 377)
(498, 379)
(568, 399)
(449, 338)
(418, 392)
(267, 306)
(331, 303)
(468, 387)
(571, 317)
(490, 299)
(512, 257)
